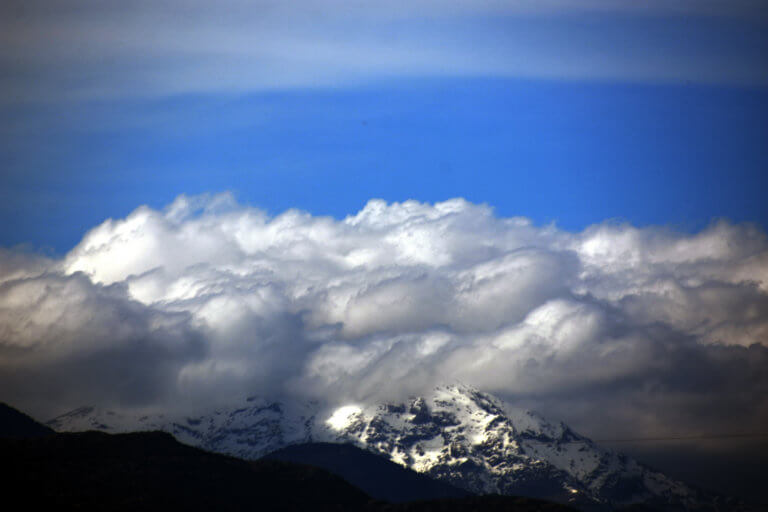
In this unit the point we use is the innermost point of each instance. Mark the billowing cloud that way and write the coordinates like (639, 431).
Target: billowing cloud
(65, 340)
(615, 328)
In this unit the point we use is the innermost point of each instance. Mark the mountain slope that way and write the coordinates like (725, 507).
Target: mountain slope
(376, 475)
(247, 431)
(16, 424)
(455, 434)
(153, 471)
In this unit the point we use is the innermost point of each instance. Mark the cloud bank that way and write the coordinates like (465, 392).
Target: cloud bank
(616, 329)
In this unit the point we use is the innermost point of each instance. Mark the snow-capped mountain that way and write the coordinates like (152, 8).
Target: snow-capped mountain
(456, 434)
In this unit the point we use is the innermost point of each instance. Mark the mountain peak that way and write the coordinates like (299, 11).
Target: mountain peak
(455, 433)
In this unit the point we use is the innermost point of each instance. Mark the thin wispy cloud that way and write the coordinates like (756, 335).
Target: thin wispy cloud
(617, 329)
(94, 50)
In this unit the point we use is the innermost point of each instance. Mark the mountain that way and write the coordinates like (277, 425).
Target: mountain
(375, 474)
(153, 471)
(16, 424)
(456, 434)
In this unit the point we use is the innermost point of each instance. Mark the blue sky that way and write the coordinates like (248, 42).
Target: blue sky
(572, 153)
(572, 112)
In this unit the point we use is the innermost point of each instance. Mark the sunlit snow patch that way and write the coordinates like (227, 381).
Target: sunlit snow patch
(343, 416)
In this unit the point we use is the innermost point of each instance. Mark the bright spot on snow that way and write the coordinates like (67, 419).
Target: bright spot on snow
(342, 416)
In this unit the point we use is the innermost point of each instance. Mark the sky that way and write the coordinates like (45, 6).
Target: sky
(558, 202)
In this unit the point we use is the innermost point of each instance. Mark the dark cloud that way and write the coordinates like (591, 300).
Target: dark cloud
(65, 340)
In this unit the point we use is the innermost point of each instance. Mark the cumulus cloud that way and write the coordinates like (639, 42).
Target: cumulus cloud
(65, 340)
(615, 328)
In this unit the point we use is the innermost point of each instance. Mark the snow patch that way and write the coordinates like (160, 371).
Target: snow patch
(343, 417)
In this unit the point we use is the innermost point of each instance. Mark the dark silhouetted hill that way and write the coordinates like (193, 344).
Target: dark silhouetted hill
(153, 471)
(377, 476)
(488, 503)
(16, 424)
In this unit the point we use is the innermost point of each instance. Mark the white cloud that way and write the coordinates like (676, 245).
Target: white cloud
(208, 299)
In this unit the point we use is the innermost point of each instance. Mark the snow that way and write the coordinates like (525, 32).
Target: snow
(343, 416)
(454, 428)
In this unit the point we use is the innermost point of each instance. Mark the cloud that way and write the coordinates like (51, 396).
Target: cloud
(65, 340)
(615, 328)
(86, 49)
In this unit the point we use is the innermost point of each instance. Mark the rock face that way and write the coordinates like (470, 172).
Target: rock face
(456, 434)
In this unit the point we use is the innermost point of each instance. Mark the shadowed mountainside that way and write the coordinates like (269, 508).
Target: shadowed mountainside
(16, 424)
(376, 475)
(151, 470)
